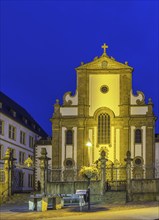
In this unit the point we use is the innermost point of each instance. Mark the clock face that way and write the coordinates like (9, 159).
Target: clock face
(104, 89)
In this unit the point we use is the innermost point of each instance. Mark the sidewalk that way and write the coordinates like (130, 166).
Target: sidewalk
(21, 212)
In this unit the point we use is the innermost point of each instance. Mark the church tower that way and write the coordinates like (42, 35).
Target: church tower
(104, 112)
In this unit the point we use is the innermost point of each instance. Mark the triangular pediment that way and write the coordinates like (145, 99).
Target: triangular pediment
(104, 62)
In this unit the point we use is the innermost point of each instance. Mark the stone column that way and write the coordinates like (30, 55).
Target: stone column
(43, 170)
(56, 142)
(128, 176)
(103, 171)
(8, 169)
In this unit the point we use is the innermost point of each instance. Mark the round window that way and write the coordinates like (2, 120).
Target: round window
(104, 89)
(104, 63)
(138, 161)
(69, 163)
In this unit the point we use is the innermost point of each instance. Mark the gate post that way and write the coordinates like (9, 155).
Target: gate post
(128, 176)
(8, 169)
(103, 171)
(43, 170)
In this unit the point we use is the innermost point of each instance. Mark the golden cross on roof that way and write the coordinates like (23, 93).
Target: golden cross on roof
(104, 46)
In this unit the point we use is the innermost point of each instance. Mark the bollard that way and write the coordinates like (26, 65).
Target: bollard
(81, 202)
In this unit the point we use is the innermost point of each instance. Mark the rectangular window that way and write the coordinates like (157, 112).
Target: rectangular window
(1, 127)
(21, 179)
(12, 132)
(21, 157)
(31, 141)
(1, 152)
(30, 180)
(69, 137)
(14, 153)
(22, 137)
(138, 136)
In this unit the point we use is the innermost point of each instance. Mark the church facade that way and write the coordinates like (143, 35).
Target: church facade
(103, 115)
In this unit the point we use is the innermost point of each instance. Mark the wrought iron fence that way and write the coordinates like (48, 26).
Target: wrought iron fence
(114, 174)
(115, 178)
(145, 171)
(65, 175)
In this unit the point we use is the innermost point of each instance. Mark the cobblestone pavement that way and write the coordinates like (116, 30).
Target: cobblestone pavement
(21, 212)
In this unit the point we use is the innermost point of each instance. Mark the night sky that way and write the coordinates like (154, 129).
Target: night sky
(42, 42)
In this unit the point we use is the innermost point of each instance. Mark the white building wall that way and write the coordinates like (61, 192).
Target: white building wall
(63, 145)
(118, 144)
(139, 110)
(90, 148)
(75, 145)
(94, 141)
(6, 142)
(69, 111)
(132, 141)
(144, 143)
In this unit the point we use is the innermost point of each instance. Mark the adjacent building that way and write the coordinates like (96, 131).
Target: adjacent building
(18, 131)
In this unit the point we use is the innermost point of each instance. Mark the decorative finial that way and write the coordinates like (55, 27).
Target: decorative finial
(126, 62)
(150, 101)
(57, 101)
(104, 46)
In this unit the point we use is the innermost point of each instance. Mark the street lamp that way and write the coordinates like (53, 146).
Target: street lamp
(89, 145)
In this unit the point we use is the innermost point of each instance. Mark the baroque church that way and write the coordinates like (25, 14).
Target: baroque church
(103, 115)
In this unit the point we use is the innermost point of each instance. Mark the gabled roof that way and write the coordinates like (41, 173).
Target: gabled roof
(16, 112)
(104, 62)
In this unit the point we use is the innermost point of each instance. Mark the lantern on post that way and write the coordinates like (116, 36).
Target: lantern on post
(43, 169)
(8, 167)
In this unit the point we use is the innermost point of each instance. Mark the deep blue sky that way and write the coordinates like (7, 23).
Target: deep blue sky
(42, 42)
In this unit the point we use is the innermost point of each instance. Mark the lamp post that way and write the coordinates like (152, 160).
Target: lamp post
(89, 145)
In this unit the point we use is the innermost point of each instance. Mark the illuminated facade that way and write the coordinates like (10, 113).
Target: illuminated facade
(104, 111)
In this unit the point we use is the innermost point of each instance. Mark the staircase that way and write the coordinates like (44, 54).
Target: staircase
(114, 197)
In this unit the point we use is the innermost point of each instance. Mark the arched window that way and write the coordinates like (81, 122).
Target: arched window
(103, 129)
(69, 137)
(138, 136)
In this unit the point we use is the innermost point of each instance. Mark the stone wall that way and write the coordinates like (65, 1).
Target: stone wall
(145, 190)
(71, 187)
